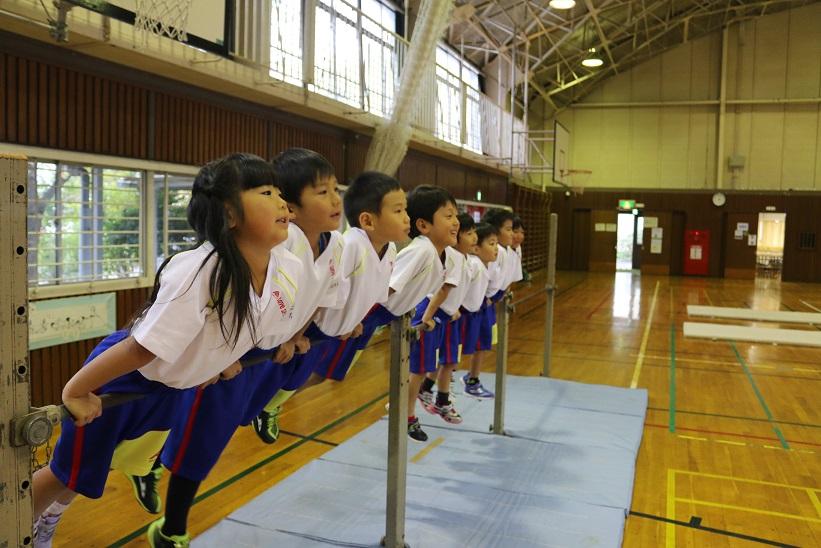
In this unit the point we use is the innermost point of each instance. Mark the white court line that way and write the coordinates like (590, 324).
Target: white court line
(640, 360)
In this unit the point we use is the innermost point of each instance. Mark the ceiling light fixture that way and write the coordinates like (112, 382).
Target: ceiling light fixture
(592, 60)
(562, 4)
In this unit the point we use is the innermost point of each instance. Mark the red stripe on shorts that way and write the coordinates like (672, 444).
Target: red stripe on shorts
(335, 360)
(186, 437)
(76, 457)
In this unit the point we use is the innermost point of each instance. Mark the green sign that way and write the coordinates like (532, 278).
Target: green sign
(627, 204)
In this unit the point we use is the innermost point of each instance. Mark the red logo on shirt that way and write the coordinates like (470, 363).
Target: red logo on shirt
(333, 269)
(280, 303)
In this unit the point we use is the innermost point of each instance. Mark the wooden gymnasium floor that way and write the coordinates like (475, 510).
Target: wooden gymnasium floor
(731, 449)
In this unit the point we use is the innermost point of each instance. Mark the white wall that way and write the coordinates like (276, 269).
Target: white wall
(775, 57)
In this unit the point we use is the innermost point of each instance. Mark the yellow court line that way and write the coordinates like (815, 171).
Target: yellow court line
(774, 447)
(728, 442)
(640, 360)
(735, 478)
(746, 509)
(804, 370)
(709, 300)
(692, 438)
(815, 502)
(431, 446)
(670, 528)
(762, 366)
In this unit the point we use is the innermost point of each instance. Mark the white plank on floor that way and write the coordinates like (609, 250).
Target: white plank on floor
(751, 334)
(779, 316)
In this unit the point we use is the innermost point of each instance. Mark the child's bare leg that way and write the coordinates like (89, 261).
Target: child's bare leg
(443, 377)
(47, 488)
(415, 382)
(476, 364)
(313, 380)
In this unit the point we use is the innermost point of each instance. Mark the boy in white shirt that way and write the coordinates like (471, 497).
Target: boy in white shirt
(518, 239)
(502, 274)
(375, 207)
(421, 271)
(457, 257)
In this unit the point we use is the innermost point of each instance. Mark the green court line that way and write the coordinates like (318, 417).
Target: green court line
(736, 417)
(672, 377)
(238, 476)
(778, 433)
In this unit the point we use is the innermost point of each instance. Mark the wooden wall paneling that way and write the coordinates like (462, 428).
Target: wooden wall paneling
(23, 105)
(451, 177)
(11, 99)
(576, 243)
(3, 96)
(68, 110)
(40, 98)
(678, 223)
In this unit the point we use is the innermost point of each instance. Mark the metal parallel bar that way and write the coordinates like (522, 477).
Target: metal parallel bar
(397, 434)
(502, 319)
(550, 287)
(15, 462)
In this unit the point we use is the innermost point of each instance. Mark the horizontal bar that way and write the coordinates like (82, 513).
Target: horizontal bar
(717, 331)
(780, 316)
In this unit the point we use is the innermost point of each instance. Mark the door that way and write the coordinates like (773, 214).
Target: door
(739, 248)
(657, 250)
(603, 240)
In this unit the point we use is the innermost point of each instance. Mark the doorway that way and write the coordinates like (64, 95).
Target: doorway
(769, 250)
(629, 240)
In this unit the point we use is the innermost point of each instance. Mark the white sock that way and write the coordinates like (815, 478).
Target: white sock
(55, 509)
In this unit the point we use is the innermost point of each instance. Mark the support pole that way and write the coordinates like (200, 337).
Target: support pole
(722, 111)
(550, 290)
(502, 319)
(15, 462)
(397, 434)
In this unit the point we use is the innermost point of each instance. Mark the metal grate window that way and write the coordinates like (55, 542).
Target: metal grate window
(806, 240)
(286, 41)
(84, 223)
(174, 234)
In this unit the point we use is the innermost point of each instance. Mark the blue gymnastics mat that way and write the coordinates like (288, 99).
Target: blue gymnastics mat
(333, 504)
(556, 411)
(563, 476)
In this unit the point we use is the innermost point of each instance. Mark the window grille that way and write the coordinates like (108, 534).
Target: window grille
(84, 223)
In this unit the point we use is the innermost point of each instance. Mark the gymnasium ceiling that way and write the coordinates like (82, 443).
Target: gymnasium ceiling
(624, 32)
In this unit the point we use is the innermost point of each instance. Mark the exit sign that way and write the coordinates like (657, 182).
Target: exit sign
(627, 204)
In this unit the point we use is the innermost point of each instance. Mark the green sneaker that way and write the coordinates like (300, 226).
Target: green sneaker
(266, 425)
(146, 490)
(156, 538)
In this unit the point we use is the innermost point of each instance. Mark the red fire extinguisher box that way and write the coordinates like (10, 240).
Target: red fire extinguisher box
(696, 252)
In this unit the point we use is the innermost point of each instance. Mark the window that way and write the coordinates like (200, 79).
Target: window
(84, 223)
(336, 52)
(380, 46)
(458, 101)
(286, 41)
(174, 234)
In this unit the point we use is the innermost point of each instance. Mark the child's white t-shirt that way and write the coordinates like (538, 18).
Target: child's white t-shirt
(457, 275)
(417, 273)
(498, 272)
(514, 263)
(366, 278)
(477, 285)
(322, 280)
(182, 330)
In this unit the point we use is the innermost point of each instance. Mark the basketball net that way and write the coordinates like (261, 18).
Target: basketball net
(162, 17)
(576, 179)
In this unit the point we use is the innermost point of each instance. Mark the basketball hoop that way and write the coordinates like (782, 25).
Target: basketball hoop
(162, 17)
(576, 179)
